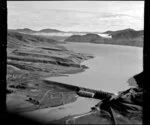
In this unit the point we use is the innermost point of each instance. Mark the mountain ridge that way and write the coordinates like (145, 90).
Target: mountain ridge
(28, 30)
(122, 37)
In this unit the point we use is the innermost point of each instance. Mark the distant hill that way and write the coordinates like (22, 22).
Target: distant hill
(85, 38)
(50, 31)
(127, 37)
(119, 31)
(126, 33)
(121, 37)
(27, 30)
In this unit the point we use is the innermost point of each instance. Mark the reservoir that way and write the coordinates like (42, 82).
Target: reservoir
(109, 71)
(110, 68)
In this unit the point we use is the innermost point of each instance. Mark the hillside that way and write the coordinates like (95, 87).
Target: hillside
(125, 34)
(30, 59)
(119, 31)
(15, 39)
(128, 37)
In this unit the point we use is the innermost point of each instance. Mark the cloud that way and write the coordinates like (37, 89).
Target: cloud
(71, 15)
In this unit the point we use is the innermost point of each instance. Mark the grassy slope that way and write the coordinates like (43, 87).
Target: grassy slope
(29, 60)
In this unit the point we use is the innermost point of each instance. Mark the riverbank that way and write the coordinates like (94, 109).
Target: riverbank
(55, 114)
(30, 60)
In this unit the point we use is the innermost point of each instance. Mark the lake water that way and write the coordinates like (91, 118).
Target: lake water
(110, 68)
(109, 71)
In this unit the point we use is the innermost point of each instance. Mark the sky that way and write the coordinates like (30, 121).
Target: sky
(95, 16)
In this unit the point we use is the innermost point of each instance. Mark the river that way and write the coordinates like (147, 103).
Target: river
(109, 71)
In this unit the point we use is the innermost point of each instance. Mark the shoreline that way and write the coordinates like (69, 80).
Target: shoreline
(28, 66)
(63, 111)
(100, 62)
(107, 44)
